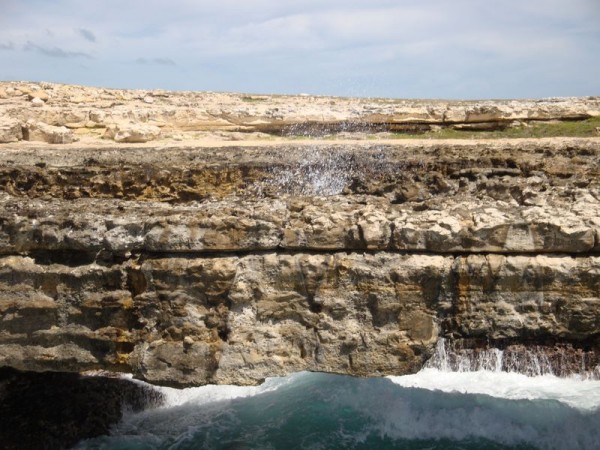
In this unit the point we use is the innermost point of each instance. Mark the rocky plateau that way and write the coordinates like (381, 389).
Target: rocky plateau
(192, 238)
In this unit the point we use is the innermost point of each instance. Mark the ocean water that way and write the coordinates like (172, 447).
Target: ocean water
(433, 409)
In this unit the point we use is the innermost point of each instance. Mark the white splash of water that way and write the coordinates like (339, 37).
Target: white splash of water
(492, 372)
(532, 361)
(216, 393)
(322, 173)
(577, 393)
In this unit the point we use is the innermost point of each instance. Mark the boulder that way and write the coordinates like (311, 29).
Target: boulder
(39, 131)
(10, 130)
(37, 102)
(42, 95)
(132, 132)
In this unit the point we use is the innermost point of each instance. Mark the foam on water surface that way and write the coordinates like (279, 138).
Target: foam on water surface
(431, 409)
(576, 392)
(437, 408)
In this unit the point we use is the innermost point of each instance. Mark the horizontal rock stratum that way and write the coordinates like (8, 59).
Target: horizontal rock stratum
(57, 113)
(203, 260)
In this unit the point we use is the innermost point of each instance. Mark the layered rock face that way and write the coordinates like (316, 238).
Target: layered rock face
(192, 264)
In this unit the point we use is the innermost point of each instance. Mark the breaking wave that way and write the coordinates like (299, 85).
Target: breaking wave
(433, 409)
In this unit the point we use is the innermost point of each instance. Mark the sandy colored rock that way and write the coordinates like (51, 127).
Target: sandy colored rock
(38, 131)
(37, 102)
(237, 320)
(10, 130)
(130, 132)
(222, 254)
(38, 93)
(186, 112)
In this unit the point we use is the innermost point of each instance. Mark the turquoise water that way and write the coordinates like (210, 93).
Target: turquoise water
(429, 410)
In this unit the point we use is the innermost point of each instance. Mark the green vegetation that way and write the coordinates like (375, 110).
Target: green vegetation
(251, 99)
(571, 128)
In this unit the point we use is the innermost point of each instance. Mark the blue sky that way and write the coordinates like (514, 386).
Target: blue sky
(402, 48)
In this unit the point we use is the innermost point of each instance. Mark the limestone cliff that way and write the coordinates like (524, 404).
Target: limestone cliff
(199, 262)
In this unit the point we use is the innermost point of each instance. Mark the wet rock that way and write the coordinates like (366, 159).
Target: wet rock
(56, 410)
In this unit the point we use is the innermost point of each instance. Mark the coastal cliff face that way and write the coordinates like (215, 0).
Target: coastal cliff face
(187, 261)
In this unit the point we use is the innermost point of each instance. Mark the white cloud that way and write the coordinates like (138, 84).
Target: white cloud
(402, 47)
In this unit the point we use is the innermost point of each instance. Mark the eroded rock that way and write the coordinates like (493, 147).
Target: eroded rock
(188, 264)
(237, 320)
(38, 131)
(10, 130)
(132, 132)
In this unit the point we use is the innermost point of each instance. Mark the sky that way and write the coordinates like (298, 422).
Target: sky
(468, 49)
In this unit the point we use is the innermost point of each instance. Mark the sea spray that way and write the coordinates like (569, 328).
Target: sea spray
(462, 399)
(532, 360)
(323, 172)
(431, 409)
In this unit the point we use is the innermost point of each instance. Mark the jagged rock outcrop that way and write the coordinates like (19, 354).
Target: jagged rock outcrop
(188, 263)
(229, 319)
(56, 410)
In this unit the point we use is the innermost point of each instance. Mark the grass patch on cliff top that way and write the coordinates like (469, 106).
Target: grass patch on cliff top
(571, 128)
(252, 99)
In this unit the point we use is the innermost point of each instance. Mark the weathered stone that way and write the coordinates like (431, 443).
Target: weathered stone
(10, 130)
(181, 321)
(130, 132)
(211, 262)
(202, 111)
(38, 131)
(502, 297)
(38, 93)
(37, 102)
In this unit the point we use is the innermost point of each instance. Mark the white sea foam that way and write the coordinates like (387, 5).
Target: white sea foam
(326, 411)
(575, 392)
(217, 393)
(444, 401)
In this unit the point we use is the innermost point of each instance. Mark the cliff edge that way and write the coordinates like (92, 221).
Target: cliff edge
(194, 238)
